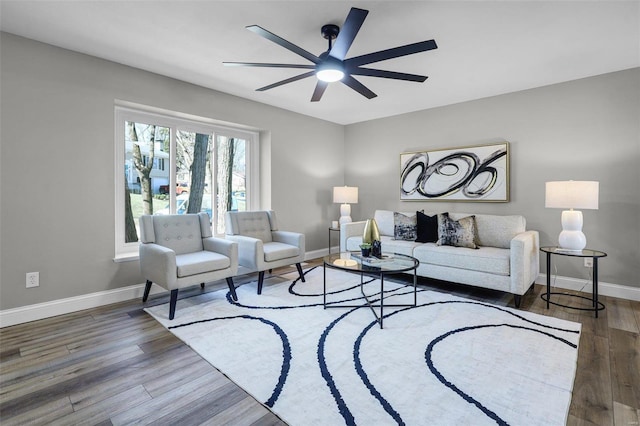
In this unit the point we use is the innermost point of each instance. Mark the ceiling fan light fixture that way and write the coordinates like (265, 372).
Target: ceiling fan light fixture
(329, 75)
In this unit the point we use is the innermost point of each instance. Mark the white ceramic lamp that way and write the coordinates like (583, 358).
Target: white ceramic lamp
(345, 195)
(572, 195)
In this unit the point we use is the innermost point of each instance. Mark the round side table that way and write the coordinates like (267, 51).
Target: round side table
(596, 306)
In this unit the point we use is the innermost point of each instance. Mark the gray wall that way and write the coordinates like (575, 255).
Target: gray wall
(57, 165)
(587, 129)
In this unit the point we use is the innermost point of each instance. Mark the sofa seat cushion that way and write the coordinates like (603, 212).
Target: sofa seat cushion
(491, 260)
(275, 251)
(200, 262)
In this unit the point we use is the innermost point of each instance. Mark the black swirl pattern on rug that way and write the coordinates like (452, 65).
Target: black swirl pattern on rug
(286, 350)
(387, 406)
(297, 281)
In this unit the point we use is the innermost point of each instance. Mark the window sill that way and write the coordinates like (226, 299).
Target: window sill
(126, 257)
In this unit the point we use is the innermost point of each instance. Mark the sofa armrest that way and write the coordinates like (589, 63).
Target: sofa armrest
(224, 247)
(525, 261)
(351, 229)
(158, 264)
(292, 238)
(250, 250)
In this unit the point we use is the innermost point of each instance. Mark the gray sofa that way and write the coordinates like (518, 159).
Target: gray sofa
(507, 260)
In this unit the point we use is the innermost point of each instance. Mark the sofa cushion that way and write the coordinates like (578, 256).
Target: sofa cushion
(384, 219)
(404, 227)
(485, 259)
(389, 245)
(458, 233)
(426, 228)
(200, 262)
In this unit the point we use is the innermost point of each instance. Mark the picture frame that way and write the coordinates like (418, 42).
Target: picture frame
(474, 173)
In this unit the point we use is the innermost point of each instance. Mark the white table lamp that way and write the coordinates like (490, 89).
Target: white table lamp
(345, 195)
(572, 195)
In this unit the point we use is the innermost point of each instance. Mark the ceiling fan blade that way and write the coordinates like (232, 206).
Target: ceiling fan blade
(284, 43)
(348, 32)
(395, 52)
(267, 65)
(319, 90)
(369, 72)
(288, 80)
(358, 87)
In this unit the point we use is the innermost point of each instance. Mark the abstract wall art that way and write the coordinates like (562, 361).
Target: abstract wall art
(475, 173)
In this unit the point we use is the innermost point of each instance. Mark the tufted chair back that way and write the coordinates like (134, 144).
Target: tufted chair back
(181, 233)
(254, 224)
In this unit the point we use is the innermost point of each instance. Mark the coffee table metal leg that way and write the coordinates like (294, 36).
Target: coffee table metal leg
(381, 297)
(324, 286)
(595, 285)
(548, 278)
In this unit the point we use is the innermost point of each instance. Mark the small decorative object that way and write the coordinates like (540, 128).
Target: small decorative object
(334, 224)
(376, 249)
(365, 248)
(371, 232)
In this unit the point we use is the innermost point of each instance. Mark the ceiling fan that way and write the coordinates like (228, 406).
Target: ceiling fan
(331, 66)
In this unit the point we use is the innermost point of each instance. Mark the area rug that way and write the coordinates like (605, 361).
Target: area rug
(446, 361)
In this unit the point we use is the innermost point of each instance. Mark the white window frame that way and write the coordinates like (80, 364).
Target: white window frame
(126, 111)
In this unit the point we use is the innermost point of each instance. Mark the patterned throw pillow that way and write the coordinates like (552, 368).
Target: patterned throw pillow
(404, 227)
(457, 233)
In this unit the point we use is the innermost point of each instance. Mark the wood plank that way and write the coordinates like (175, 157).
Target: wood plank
(43, 415)
(621, 315)
(245, 412)
(592, 399)
(625, 367)
(625, 415)
(170, 402)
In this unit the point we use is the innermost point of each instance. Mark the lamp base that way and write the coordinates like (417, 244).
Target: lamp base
(571, 238)
(345, 214)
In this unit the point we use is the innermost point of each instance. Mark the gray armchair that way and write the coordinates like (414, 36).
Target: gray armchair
(261, 245)
(178, 251)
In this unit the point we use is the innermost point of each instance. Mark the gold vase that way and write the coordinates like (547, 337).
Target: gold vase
(371, 232)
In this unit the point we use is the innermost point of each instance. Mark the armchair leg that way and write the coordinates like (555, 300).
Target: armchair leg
(201, 285)
(232, 289)
(516, 299)
(300, 272)
(147, 287)
(172, 303)
(260, 280)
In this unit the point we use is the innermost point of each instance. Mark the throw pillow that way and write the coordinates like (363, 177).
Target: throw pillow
(427, 228)
(404, 227)
(457, 233)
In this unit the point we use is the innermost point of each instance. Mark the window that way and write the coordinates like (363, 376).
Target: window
(172, 165)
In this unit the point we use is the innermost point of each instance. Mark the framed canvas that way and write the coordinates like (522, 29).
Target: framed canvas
(474, 173)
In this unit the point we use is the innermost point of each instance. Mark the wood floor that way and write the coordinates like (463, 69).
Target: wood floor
(117, 365)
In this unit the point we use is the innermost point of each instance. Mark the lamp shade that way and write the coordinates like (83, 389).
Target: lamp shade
(572, 194)
(345, 194)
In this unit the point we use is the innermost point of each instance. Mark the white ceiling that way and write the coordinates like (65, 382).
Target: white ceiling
(485, 48)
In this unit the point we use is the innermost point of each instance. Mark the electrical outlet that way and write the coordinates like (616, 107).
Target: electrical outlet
(588, 262)
(33, 279)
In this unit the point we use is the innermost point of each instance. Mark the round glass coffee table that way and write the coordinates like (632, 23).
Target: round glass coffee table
(390, 263)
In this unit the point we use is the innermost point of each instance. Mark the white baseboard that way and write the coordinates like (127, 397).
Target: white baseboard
(23, 314)
(604, 289)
